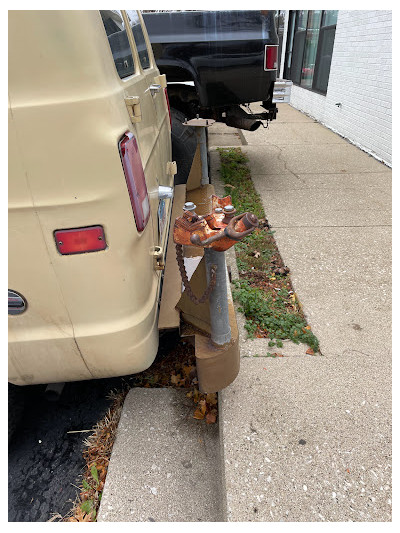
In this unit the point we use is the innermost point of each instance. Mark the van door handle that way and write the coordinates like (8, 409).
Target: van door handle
(154, 88)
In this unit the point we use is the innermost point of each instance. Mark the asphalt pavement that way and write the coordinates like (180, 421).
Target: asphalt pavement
(44, 460)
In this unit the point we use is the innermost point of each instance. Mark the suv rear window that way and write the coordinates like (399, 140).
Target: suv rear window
(119, 43)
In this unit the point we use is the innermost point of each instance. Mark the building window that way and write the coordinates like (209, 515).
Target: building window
(311, 34)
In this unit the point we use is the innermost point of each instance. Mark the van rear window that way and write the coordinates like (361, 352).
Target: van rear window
(119, 43)
(139, 38)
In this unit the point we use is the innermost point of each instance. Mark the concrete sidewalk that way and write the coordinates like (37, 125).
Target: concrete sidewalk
(308, 438)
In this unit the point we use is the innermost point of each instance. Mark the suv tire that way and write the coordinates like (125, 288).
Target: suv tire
(184, 143)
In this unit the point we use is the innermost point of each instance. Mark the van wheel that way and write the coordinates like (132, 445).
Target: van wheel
(184, 143)
(16, 403)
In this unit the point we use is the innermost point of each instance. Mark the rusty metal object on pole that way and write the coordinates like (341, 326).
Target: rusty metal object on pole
(215, 232)
(201, 235)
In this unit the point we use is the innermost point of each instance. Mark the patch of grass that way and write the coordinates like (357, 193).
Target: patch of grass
(264, 291)
(275, 317)
(236, 175)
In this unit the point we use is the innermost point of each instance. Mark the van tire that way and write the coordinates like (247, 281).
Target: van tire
(16, 404)
(184, 143)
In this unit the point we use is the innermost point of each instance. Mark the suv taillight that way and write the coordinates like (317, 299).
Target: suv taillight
(271, 57)
(135, 179)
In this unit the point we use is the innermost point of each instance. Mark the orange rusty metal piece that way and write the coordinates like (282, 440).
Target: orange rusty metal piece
(219, 230)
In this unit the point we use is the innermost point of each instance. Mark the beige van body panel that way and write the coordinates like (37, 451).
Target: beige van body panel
(94, 314)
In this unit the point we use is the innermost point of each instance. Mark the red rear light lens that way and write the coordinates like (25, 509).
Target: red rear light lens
(271, 57)
(80, 240)
(135, 179)
(169, 108)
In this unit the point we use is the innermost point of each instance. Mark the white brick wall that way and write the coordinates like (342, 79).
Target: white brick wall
(361, 80)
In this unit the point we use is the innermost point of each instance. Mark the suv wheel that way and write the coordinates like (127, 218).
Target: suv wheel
(184, 143)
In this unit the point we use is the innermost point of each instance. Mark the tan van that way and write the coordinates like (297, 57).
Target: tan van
(90, 185)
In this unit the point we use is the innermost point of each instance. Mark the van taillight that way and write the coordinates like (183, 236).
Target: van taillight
(271, 57)
(169, 108)
(135, 179)
(80, 240)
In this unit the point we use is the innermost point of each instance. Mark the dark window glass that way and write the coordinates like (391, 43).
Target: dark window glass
(325, 49)
(119, 43)
(329, 18)
(300, 32)
(139, 39)
(310, 48)
(310, 40)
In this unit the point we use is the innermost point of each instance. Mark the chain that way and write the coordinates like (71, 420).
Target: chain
(182, 270)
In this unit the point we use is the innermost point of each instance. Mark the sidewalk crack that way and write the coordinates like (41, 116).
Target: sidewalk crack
(285, 165)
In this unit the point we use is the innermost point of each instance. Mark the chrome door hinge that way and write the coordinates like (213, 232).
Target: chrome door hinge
(158, 255)
(133, 105)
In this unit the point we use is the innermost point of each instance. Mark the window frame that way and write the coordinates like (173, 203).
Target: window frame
(317, 57)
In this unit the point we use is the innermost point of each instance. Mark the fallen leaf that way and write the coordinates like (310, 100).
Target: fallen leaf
(229, 185)
(175, 379)
(256, 254)
(187, 370)
(212, 399)
(198, 415)
(211, 418)
(310, 351)
(203, 406)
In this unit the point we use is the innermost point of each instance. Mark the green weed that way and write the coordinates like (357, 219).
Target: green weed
(266, 298)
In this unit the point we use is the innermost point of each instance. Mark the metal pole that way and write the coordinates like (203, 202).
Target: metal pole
(202, 141)
(284, 41)
(219, 312)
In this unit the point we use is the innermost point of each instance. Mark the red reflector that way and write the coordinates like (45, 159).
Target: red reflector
(135, 179)
(271, 57)
(169, 108)
(80, 240)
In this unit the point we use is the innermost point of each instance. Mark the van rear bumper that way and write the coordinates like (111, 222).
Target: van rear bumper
(120, 352)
